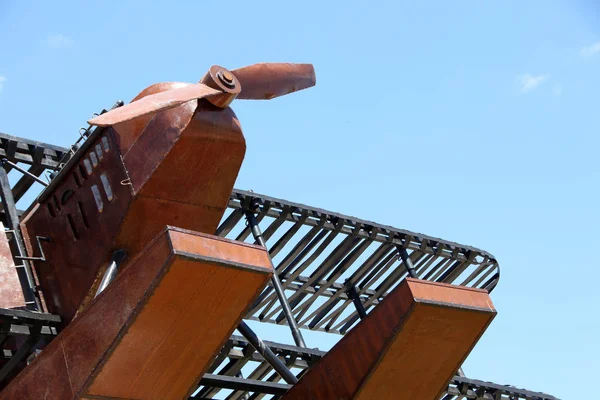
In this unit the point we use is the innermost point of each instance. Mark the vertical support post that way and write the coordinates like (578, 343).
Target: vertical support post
(267, 353)
(353, 295)
(253, 223)
(410, 268)
(115, 261)
(25, 274)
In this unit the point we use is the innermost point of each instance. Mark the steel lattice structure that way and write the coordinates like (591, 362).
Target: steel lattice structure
(325, 260)
(21, 334)
(320, 255)
(38, 156)
(260, 380)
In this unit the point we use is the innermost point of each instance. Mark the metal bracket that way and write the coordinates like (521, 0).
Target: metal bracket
(39, 243)
(267, 353)
(353, 295)
(285, 306)
(408, 264)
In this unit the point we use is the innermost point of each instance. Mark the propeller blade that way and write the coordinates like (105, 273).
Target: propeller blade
(266, 81)
(154, 103)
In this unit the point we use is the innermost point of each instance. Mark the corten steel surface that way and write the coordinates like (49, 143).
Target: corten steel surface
(137, 338)
(11, 294)
(124, 186)
(81, 231)
(409, 347)
(189, 186)
(156, 102)
(266, 81)
(319, 254)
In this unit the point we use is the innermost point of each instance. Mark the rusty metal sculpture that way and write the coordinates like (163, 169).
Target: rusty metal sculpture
(144, 172)
(143, 265)
(138, 173)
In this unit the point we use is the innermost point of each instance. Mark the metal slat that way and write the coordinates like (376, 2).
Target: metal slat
(287, 236)
(331, 261)
(247, 385)
(335, 274)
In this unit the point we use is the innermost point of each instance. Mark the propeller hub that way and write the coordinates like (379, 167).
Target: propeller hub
(221, 79)
(226, 78)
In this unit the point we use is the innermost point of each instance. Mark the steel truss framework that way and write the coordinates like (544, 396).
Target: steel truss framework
(320, 256)
(323, 259)
(36, 155)
(238, 359)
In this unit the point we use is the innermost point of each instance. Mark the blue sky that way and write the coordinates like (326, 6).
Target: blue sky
(473, 121)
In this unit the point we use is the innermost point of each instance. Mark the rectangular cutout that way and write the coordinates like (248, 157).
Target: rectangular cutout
(98, 198)
(106, 186)
(94, 159)
(105, 144)
(99, 152)
(88, 167)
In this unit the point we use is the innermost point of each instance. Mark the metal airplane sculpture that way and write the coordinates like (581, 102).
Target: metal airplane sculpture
(144, 172)
(123, 257)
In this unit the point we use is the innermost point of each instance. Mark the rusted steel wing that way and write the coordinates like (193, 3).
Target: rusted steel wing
(138, 339)
(409, 347)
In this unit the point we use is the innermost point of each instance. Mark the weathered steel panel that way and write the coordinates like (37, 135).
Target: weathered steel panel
(137, 338)
(409, 347)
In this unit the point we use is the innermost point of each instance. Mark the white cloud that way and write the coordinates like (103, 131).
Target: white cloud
(2, 80)
(591, 50)
(59, 41)
(529, 82)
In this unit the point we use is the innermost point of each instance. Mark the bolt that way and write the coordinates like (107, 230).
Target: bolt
(226, 78)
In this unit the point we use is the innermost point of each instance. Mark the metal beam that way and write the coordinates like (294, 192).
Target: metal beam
(267, 353)
(287, 311)
(247, 385)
